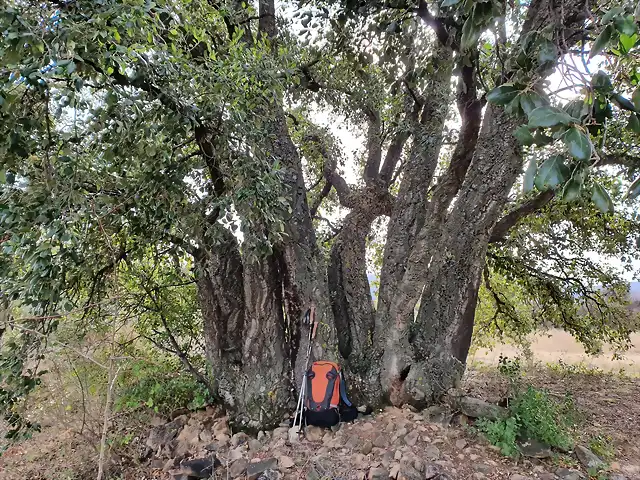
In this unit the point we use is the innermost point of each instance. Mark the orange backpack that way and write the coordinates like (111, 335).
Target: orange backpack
(325, 387)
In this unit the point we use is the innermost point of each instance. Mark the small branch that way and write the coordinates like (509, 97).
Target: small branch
(331, 175)
(42, 335)
(105, 424)
(318, 201)
(506, 223)
(437, 23)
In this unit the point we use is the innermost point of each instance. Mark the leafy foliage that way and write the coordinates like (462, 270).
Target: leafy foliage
(583, 121)
(162, 387)
(532, 414)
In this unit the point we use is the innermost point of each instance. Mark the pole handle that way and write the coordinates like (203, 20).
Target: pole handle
(314, 324)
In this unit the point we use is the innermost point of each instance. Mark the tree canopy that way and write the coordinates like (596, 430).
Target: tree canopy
(148, 144)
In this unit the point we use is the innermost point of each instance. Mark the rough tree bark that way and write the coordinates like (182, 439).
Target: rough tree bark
(445, 265)
(252, 311)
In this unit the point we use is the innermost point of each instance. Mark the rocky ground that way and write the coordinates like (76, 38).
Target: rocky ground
(395, 443)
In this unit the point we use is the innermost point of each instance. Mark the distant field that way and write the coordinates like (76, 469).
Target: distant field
(559, 345)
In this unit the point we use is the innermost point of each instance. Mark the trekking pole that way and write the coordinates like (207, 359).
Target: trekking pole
(310, 317)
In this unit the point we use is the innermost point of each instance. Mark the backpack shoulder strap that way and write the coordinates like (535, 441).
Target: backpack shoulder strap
(343, 390)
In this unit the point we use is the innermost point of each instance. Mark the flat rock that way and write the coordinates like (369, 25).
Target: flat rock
(534, 449)
(199, 467)
(239, 438)
(517, 476)
(162, 435)
(222, 440)
(221, 427)
(431, 471)
(432, 452)
(366, 447)
(205, 437)
(568, 474)
(280, 433)
(547, 476)
(255, 470)
(169, 464)
(407, 472)
(238, 467)
(378, 474)
(381, 441)
(314, 434)
(236, 454)
(478, 408)
(285, 462)
(411, 438)
(255, 445)
(588, 458)
(293, 435)
(461, 444)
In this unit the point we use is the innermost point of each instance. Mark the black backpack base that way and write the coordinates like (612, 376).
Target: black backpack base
(327, 418)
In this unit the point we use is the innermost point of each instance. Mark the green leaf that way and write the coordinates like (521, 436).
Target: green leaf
(449, 3)
(551, 173)
(523, 134)
(602, 41)
(502, 95)
(625, 25)
(601, 198)
(634, 189)
(549, 117)
(470, 34)
(548, 52)
(513, 107)
(577, 108)
(623, 102)
(571, 190)
(601, 81)
(636, 98)
(628, 41)
(634, 123)
(3, 176)
(71, 68)
(578, 144)
(530, 176)
(530, 100)
(607, 17)
(393, 27)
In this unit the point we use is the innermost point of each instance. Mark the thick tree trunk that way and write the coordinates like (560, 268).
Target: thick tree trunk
(441, 335)
(424, 358)
(252, 312)
(409, 210)
(350, 294)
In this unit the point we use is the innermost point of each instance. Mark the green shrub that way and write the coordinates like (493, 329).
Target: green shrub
(163, 387)
(602, 446)
(501, 433)
(532, 414)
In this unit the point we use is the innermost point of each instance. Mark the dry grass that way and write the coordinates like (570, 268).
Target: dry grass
(558, 346)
